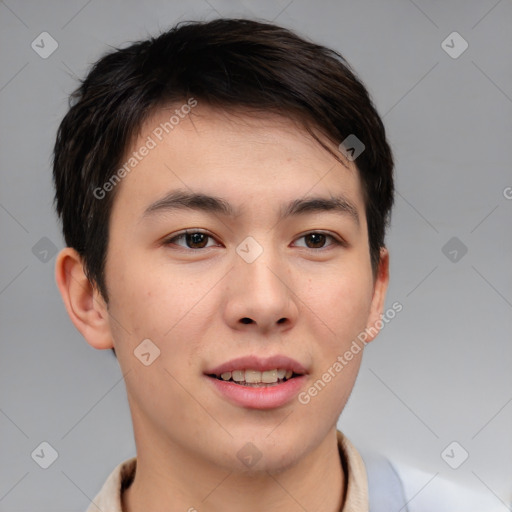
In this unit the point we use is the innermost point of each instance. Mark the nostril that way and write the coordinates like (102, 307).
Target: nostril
(246, 320)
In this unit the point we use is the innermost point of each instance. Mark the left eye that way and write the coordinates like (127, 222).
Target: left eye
(199, 240)
(318, 240)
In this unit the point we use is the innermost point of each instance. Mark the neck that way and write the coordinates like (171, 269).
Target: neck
(172, 480)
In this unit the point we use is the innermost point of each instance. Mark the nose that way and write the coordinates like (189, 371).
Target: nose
(260, 295)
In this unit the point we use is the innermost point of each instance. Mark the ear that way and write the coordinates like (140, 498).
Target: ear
(84, 304)
(379, 295)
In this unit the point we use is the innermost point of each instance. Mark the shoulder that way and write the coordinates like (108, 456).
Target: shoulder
(109, 497)
(385, 487)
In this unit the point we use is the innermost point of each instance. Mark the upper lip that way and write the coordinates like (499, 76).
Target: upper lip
(261, 364)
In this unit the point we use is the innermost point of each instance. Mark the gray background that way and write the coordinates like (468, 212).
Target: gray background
(439, 372)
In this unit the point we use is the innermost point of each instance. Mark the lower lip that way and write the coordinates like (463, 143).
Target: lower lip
(267, 397)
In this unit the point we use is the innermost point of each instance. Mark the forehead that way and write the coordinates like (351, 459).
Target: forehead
(204, 123)
(246, 155)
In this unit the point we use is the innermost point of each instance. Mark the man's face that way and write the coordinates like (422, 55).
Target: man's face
(255, 282)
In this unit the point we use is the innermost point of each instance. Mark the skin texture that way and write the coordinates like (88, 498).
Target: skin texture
(307, 299)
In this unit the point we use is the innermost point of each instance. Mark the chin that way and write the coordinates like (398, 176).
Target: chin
(260, 454)
(269, 462)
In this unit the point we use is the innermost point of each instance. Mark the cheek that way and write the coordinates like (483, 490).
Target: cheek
(343, 302)
(343, 307)
(158, 302)
(137, 298)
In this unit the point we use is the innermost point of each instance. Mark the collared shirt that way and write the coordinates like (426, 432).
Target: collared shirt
(356, 485)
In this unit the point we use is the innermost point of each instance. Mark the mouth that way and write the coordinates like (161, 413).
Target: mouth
(258, 383)
(256, 372)
(255, 378)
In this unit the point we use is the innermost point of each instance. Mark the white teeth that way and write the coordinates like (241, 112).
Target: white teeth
(257, 377)
(238, 375)
(252, 376)
(269, 376)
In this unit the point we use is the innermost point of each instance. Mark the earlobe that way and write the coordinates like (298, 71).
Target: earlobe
(85, 305)
(379, 295)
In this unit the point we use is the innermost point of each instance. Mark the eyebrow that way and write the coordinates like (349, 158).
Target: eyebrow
(184, 200)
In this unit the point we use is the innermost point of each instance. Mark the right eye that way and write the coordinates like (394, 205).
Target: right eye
(193, 239)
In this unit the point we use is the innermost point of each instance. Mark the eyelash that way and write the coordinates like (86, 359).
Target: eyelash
(182, 235)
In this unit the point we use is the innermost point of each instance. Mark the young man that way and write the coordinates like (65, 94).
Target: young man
(224, 190)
